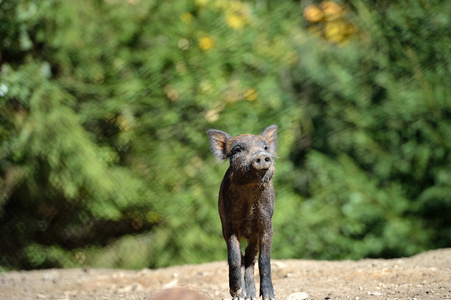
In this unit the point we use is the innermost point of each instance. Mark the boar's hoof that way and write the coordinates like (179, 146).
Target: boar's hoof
(236, 294)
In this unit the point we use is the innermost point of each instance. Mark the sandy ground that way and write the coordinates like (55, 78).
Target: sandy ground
(424, 276)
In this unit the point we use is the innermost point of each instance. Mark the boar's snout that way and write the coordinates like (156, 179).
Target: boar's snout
(262, 161)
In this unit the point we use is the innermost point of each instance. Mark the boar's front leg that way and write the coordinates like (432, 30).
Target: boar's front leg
(264, 265)
(234, 260)
(249, 262)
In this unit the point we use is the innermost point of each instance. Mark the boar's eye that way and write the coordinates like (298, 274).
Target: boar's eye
(236, 150)
(266, 148)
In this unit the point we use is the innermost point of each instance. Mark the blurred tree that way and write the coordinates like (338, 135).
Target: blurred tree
(103, 125)
(104, 160)
(379, 163)
(64, 184)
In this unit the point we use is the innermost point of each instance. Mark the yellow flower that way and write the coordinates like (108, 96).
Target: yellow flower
(331, 9)
(235, 21)
(206, 43)
(186, 17)
(251, 95)
(212, 116)
(335, 31)
(313, 14)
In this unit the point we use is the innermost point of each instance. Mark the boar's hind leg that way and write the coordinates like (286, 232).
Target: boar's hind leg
(234, 260)
(249, 262)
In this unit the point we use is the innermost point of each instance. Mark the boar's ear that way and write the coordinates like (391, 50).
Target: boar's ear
(218, 142)
(270, 134)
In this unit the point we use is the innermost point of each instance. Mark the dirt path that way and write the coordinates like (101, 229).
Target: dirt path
(424, 276)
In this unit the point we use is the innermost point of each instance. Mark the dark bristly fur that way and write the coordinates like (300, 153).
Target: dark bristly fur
(246, 207)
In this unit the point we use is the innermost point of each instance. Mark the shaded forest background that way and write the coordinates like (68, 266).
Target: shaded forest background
(104, 104)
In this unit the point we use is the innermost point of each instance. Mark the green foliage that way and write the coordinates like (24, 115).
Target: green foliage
(380, 110)
(104, 160)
